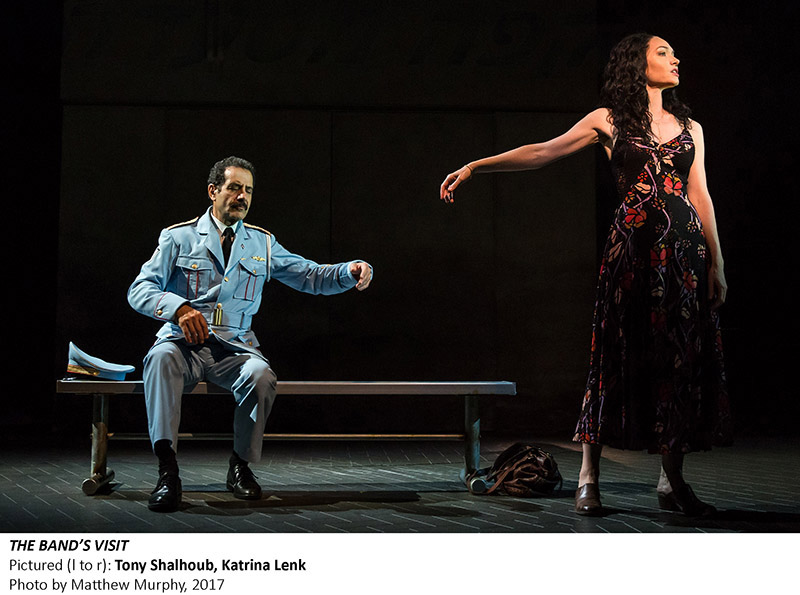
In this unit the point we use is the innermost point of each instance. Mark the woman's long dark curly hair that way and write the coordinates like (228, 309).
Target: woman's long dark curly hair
(624, 90)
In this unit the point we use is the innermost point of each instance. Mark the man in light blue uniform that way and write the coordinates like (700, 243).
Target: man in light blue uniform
(204, 281)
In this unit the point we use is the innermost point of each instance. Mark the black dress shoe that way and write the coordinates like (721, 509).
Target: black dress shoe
(166, 497)
(242, 482)
(683, 500)
(587, 500)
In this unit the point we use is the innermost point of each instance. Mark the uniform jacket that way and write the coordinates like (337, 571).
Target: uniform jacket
(188, 267)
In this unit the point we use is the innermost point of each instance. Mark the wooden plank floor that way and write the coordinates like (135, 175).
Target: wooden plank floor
(389, 487)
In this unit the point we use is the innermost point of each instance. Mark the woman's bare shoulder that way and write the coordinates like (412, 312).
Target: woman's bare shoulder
(694, 125)
(697, 131)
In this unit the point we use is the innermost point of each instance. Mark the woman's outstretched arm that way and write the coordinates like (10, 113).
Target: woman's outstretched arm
(592, 128)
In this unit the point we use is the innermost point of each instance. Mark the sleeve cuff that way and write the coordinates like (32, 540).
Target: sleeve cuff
(168, 305)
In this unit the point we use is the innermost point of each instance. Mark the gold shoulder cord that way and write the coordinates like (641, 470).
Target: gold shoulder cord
(184, 223)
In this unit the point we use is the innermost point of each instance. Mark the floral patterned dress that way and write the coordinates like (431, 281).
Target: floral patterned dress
(656, 378)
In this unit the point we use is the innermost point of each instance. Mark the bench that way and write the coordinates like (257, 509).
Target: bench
(102, 391)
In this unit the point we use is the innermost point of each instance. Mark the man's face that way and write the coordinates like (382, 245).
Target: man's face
(231, 202)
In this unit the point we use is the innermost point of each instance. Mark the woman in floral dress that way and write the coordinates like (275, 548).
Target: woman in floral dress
(656, 378)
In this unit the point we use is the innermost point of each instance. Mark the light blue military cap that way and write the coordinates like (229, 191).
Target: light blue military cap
(84, 364)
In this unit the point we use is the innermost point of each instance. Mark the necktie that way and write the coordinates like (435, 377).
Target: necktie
(227, 241)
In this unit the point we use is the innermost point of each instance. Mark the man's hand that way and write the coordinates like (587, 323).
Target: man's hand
(363, 273)
(193, 324)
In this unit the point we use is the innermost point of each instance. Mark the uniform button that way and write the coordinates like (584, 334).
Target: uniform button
(226, 279)
(249, 342)
(194, 266)
(159, 312)
(219, 305)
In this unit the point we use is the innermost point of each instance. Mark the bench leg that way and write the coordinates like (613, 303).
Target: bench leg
(472, 436)
(101, 476)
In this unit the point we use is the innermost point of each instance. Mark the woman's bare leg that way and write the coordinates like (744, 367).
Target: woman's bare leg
(590, 464)
(672, 465)
(681, 497)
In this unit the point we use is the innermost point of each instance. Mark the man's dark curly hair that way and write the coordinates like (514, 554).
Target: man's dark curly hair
(624, 90)
(217, 174)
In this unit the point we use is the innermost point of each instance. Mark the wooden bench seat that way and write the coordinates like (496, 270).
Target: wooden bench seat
(102, 391)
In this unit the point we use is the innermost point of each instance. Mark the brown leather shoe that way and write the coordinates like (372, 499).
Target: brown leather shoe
(587, 500)
(684, 500)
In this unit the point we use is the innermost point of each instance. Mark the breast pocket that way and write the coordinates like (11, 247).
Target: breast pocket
(194, 276)
(251, 277)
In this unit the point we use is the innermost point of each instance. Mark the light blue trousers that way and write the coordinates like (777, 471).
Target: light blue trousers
(172, 367)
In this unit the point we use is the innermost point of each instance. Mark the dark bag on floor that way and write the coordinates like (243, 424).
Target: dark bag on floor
(521, 470)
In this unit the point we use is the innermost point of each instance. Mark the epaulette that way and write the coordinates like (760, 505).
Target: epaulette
(257, 228)
(190, 222)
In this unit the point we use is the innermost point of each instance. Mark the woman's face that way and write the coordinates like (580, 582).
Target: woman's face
(662, 65)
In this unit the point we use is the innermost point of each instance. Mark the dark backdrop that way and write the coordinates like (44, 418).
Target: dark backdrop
(353, 112)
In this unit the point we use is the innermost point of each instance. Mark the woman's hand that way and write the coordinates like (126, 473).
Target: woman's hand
(717, 286)
(452, 181)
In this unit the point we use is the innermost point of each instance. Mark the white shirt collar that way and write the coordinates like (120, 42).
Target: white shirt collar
(221, 227)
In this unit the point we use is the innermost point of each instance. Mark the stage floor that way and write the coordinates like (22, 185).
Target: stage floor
(390, 487)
